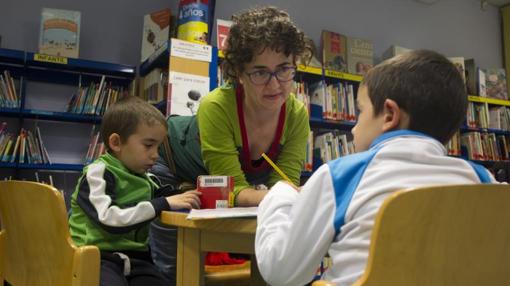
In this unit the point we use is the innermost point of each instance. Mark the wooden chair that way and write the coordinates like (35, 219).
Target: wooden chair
(35, 245)
(449, 235)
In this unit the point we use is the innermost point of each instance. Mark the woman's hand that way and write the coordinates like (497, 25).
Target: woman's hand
(250, 197)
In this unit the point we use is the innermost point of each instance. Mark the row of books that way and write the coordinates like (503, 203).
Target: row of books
(27, 147)
(336, 101)
(94, 99)
(8, 96)
(332, 145)
(490, 82)
(96, 148)
(480, 115)
(154, 86)
(485, 146)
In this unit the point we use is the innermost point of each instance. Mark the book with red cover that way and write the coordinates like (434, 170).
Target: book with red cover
(216, 191)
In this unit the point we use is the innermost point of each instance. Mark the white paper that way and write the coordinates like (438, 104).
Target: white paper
(187, 90)
(192, 51)
(222, 213)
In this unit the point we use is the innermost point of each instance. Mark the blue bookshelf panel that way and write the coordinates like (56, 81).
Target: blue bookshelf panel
(60, 116)
(80, 65)
(58, 167)
(9, 56)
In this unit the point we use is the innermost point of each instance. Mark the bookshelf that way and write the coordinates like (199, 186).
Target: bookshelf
(44, 84)
(160, 59)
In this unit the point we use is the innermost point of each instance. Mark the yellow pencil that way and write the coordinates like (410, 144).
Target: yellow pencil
(280, 172)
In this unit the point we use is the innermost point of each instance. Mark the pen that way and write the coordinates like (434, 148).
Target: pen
(278, 170)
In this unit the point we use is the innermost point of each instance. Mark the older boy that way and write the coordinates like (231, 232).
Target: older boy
(114, 200)
(409, 106)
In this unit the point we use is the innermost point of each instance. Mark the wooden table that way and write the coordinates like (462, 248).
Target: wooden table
(195, 237)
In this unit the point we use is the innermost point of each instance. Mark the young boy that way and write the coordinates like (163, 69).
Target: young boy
(409, 106)
(114, 201)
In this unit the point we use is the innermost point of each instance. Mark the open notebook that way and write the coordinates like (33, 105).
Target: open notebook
(222, 213)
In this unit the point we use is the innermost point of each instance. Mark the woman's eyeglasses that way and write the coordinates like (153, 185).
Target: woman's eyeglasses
(263, 77)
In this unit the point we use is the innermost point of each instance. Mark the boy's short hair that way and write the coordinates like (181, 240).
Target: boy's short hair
(424, 84)
(124, 116)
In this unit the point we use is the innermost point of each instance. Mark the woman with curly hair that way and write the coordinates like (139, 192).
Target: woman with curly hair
(256, 112)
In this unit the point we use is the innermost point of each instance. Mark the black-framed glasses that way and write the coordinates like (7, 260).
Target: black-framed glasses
(263, 77)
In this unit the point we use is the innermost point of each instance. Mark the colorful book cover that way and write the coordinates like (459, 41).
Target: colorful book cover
(333, 51)
(157, 28)
(186, 92)
(216, 191)
(60, 33)
(495, 83)
(193, 21)
(360, 55)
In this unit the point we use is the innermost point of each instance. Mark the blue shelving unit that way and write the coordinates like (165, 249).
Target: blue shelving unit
(28, 66)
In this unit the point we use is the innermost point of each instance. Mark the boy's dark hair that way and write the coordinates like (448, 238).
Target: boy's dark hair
(124, 116)
(257, 29)
(424, 84)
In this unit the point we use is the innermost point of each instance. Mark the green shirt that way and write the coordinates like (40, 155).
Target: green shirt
(221, 141)
(112, 207)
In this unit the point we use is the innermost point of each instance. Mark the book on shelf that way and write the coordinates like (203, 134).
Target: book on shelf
(310, 59)
(95, 99)
(60, 32)
(495, 83)
(186, 92)
(222, 31)
(96, 148)
(154, 86)
(482, 87)
(459, 64)
(158, 29)
(360, 55)
(8, 96)
(333, 47)
(393, 51)
(193, 20)
(25, 147)
(471, 76)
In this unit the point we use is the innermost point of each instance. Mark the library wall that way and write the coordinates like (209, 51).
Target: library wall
(111, 30)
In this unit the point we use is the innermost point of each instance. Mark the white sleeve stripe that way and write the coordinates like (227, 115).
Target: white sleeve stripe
(107, 213)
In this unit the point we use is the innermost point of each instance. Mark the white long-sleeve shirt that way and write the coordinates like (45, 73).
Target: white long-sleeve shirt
(335, 210)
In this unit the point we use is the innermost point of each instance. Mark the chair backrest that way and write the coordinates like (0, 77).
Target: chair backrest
(448, 235)
(35, 245)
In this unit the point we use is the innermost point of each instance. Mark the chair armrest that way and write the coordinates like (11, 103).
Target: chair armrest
(86, 266)
(323, 283)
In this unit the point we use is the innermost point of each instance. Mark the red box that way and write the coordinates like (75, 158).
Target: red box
(216, 191)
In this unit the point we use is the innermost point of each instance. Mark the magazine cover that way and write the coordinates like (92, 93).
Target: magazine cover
(360, 55)
(333, 51)
(495, 83)
(60, 33)
(186, 92)
(157, 31)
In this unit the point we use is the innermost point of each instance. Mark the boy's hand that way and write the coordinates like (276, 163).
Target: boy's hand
(187, 200)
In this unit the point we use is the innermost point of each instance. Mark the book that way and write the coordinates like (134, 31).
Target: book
(360, 55)
(470, 75)
(482, 89)
(158, 29)
(393, 51)
(459, 64)
(216, 191)
(496, 83)
(310, 60)
(186, 92)
(222, 31)
(333, 46)
(60, 32)
(223, 213)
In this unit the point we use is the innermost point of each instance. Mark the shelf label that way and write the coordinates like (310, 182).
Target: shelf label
(342, 75)
(192, 51)
(50, 59)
